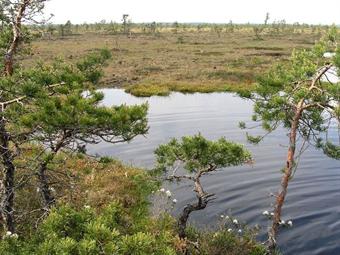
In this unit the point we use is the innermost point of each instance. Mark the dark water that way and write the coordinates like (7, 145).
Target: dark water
(313, 200)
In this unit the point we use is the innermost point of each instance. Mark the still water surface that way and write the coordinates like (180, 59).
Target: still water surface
(313, 200)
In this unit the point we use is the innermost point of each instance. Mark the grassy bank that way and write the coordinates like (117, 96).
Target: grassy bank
(187, 61)
(106, 211)
(151, 89)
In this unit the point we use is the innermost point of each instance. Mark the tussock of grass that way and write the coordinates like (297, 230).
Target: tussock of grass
(142, 90)
(224, 242)
(145, 90)
(79, 180)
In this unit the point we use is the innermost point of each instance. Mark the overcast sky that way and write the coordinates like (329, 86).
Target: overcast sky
(214, 11)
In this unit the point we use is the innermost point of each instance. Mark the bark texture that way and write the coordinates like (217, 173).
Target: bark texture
(16, 30)
(285, 179)
(202, 202)
(7, 192)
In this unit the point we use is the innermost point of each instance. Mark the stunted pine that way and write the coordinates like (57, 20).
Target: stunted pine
(198, 157)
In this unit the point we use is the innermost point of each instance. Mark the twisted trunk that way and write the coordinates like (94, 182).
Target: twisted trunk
(273, 231)
(47, 196)
(202, 203)
(188, 209)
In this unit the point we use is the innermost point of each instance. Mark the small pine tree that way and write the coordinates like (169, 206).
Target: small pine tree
(199, 157)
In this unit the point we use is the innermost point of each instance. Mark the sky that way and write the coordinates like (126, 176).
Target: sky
(211, 11)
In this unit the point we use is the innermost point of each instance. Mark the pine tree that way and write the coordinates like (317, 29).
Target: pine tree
(199, 157)
(54, 107)
(299, 96)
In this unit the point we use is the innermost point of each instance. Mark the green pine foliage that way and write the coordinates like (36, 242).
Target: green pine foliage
(57, 106)
(197, 153)
(84, 232)
(299, 96)
(331, 150)
(199, 157)
(279, 92)
(60, 99)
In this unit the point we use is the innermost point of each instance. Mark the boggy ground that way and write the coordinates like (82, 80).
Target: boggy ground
(103, 208)
(155, 64)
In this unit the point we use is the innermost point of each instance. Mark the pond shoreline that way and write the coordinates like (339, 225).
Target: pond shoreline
(241, 191)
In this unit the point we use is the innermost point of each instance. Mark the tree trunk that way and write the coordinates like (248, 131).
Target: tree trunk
(273, 231)
(202, 203)
(183, 219)
(47, 197)
(16, 30)
(8, 65)
(7, 194)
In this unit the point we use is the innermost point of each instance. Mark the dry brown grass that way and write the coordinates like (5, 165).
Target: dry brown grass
(101, 183)
(188, 61)
(80, 180)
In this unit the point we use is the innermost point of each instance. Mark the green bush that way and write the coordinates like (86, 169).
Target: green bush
(67, 231)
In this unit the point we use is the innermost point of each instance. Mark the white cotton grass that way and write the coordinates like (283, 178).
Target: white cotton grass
(168, 193)
(329, 54)
(225, 217)
(290, 223)
(265, 213)
(235, 221)
(230, 230)
(9, 234)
